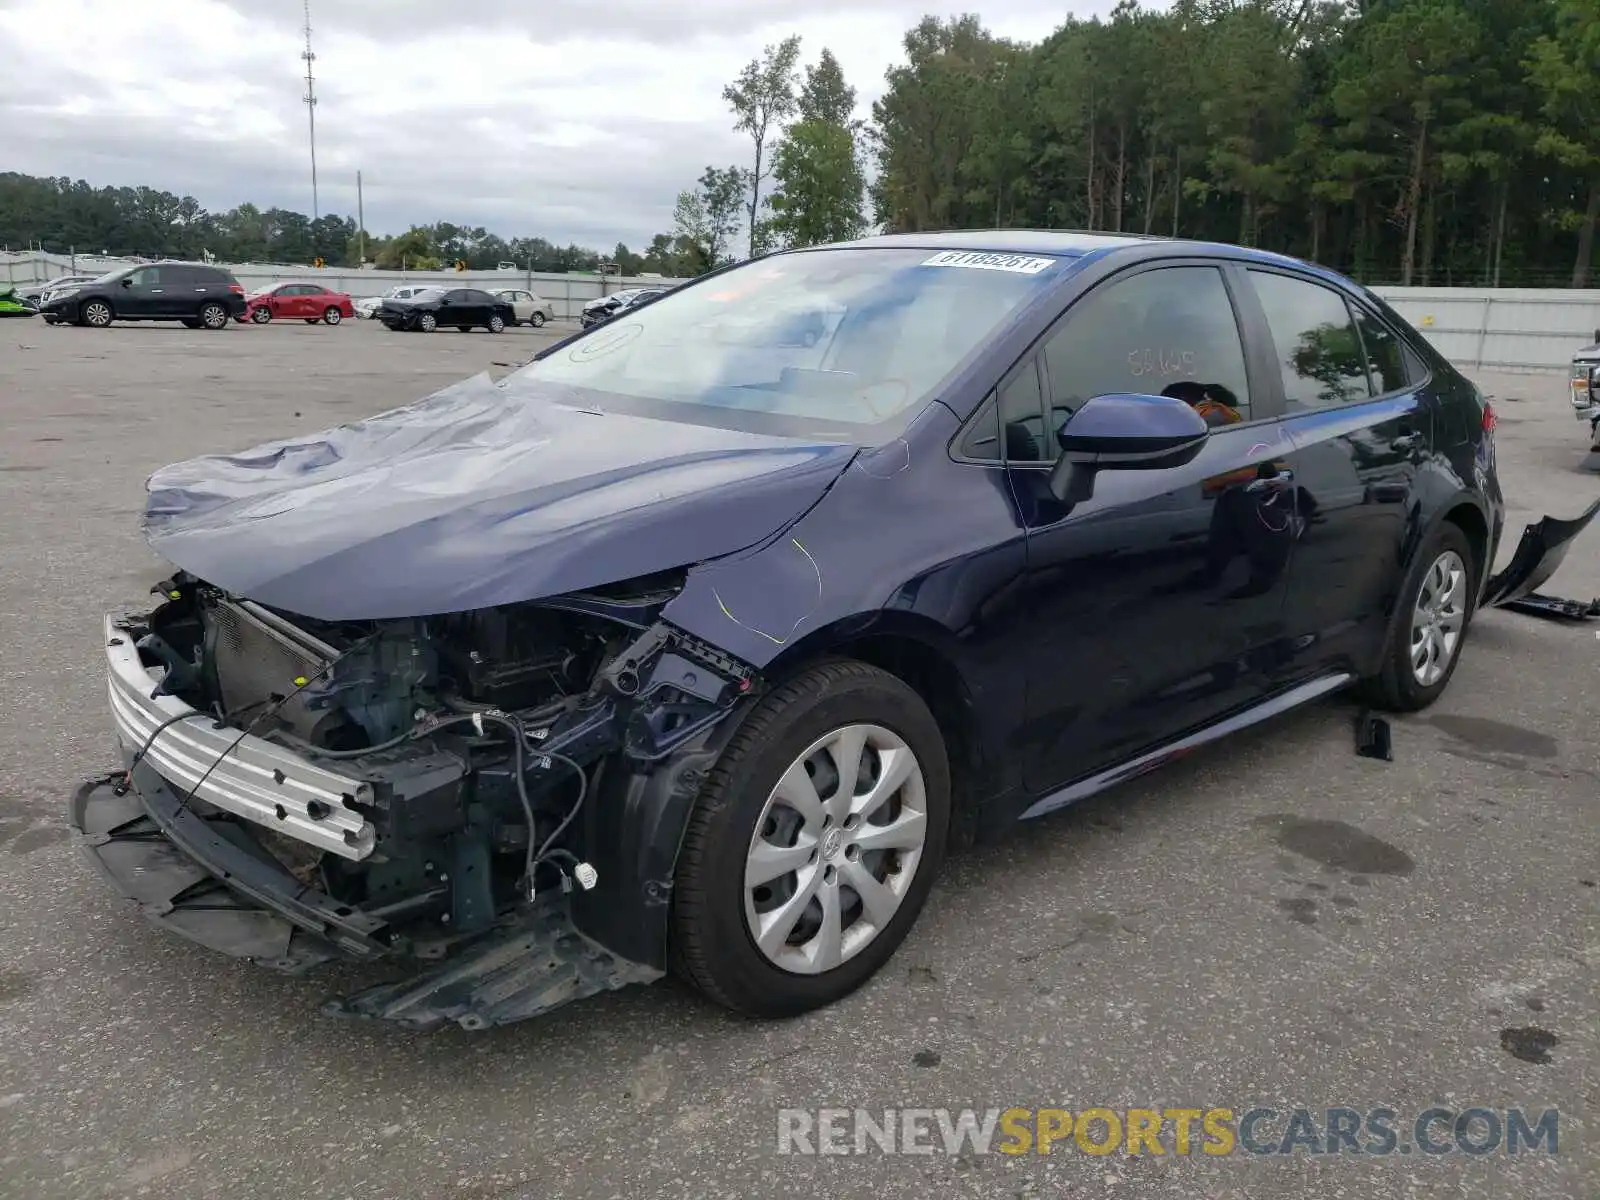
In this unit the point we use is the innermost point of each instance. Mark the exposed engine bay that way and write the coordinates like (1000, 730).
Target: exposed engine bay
(475, 739)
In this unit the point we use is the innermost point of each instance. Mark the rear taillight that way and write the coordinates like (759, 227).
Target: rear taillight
(236, 288)
(1488, 417)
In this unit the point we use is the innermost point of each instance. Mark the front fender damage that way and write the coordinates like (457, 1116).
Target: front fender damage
(666, 705)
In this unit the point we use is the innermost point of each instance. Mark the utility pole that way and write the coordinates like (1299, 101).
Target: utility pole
(361, 227)
(310, 99)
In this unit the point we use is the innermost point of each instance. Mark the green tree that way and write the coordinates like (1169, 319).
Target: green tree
(1566, 69)
(819, 185)
(825, 96)
(762, 98)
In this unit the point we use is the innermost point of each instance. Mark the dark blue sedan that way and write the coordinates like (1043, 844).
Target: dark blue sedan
(695, 645)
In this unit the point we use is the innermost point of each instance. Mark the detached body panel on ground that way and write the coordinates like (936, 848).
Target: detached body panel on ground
(692, 644)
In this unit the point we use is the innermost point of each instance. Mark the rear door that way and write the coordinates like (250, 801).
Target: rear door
(1362, 424)
(1153, 603)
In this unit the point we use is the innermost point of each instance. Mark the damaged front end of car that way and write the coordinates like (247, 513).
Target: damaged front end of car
(495, 795)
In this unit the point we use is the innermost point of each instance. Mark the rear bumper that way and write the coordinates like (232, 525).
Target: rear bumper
(241, 774)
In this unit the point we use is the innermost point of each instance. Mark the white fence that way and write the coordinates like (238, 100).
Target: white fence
(566, 293)
(1503, 329)
(1506, 329)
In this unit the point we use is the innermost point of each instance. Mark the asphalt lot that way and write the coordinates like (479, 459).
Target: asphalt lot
(1188, 940)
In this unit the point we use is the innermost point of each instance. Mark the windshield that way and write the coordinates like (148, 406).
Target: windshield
(802, 342)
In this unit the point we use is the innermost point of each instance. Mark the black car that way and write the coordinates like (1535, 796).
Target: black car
(681, 651)
(465, 308)
(199, 295)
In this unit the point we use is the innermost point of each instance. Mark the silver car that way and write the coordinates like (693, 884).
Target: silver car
(529, 307)
(367, 307)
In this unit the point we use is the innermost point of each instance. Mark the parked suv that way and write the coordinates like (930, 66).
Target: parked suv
(1586, 389)
(197, 294)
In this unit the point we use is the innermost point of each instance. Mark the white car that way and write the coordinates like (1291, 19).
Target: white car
(367, 307)
(529, 308)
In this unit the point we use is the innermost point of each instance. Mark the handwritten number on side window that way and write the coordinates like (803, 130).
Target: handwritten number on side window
(1161, 362)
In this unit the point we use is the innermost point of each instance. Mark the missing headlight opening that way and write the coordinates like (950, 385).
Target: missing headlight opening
(430, 785)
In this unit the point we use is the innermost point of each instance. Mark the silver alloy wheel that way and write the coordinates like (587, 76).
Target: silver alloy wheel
(835, 849)
(97, 313)
(213, 316)
(1438, 618)
(536, 320)
(427, 322)
(496, 324)
(261, 314)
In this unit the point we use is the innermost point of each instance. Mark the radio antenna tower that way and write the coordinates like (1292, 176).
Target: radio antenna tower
(310, 99)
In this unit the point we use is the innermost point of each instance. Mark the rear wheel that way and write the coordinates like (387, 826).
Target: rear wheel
(213, 316)
(1429, 625)
(261, 315)
(191, 322)
(813, 843)
(536, 320)
(463, 328)
(95, 313)
(427, 322)
(331, 315)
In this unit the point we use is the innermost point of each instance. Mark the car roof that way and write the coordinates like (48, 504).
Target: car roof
(1067, 243)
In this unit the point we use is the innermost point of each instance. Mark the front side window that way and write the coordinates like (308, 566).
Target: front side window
(147, 277)
(1318, 349)
(882, 330)
(1169, 332)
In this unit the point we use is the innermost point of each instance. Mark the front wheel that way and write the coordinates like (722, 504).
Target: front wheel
(427, 322)
(497, 324)
(813, 844)
(261, 315)
(1429, 624)
(96, 314)
(331, 315)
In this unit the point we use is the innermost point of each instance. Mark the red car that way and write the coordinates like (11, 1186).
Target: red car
(309, 302)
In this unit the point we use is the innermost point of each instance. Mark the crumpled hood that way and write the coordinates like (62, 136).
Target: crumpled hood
(481, 494)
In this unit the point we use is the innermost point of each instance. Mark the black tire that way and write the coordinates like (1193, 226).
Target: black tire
(95, 313)
(312, 320)
(496, 324)
(710, 944)
(261, 315)
(463, 328)
(1396, 687)
(537, 320)
(213, 315)
(331, 315)
(191, 322)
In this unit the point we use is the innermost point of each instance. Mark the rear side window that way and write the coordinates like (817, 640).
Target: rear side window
(1319, 352)
(1385, 362)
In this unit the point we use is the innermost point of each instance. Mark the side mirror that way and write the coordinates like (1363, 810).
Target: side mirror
(1124, 432)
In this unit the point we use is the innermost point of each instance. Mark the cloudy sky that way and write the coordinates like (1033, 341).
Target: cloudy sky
(575, 120)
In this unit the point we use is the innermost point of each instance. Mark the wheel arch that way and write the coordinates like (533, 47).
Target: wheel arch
(923, 655)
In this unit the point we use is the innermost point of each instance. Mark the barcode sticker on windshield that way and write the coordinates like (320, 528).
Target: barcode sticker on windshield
(988, 260)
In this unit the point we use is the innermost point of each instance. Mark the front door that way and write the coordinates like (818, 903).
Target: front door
(148, 293)
(1362, 423)
(1156, 603)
